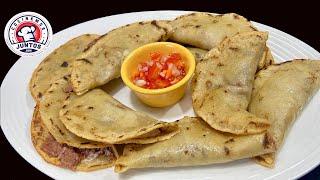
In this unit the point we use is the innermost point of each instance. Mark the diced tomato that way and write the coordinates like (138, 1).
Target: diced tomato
(173, 58)
(160, 71)
(162, 83)
(152, 85)
(153, 72)
(168, 73)
(155, 56)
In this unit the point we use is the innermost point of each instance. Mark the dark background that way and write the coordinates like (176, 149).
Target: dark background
(300, 19)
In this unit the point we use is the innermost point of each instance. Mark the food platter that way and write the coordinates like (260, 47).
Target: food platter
(299, 154)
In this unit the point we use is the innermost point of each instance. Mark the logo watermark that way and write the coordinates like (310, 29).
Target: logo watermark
(28, 33)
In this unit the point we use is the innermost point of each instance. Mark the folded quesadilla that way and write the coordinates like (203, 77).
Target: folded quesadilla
(196, 144)
(57, 64)
(222, 85)
(79, 159)
(50, 105)
(267, 58)
(99, 117)
(207, 30)
(101, 61)
(280, 93)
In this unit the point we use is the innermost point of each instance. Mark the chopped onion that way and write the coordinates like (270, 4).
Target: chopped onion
(175, 71)
(149, 63)
(162, 74)
(145, 69)
(159, 65)
(140, 82)
(163, 59)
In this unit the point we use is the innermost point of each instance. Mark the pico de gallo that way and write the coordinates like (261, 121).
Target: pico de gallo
(160, 71)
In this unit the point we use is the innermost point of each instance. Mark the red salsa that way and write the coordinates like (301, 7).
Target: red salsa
(160, 71)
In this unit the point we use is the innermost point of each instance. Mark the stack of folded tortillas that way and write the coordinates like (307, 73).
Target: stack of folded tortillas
(244, 102)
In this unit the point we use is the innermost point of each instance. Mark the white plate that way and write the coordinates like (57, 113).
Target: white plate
(300, 153)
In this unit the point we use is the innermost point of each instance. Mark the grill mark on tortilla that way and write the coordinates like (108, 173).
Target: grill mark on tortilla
(214, 21)
(64, 64)
(84, 60)
(120, 136)
(39, 95)
(66, 77)
(220, 64)
(201, 104)
(268, 142)
(253, 28)
(229, 141)
(259, 158)
(98, 136)
(51, 121)
(183, 16)
(195, 80)
(208, 84)
(226, 150)
(120, 106)
(65, 113)
(154, 23)
(236, 16)
(60, 131)
(234, 48)
(92, 43)
(85, 143)
(259, 36)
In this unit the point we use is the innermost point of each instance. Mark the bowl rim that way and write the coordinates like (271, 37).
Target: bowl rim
(184, 80)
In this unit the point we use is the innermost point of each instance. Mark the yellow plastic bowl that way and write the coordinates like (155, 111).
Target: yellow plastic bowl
(157, 97)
